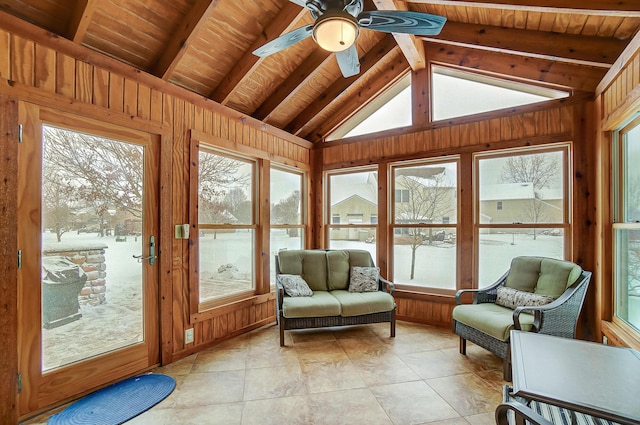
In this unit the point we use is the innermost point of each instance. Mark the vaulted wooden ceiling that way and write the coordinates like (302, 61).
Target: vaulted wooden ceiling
(206, 47)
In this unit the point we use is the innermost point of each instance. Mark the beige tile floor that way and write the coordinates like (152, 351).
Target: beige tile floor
(352, 375)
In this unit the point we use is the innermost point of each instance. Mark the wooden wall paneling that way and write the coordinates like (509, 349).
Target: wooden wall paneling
(180, 284)
(45, 69)
(316, 227)
(157, 104)
(130, 97)
(585, 207)
(116, 92)
(384, 243)
(100, 87)
(22, 59)
(263, 233)
(84, 82)
(166, 249)
(8, 253)
(465, 238)
(65, 73)
(5, 57)
(144, 102)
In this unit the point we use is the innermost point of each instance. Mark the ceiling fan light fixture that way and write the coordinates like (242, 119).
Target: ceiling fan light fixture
(335, 32)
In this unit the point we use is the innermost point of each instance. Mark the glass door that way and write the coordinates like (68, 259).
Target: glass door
(88, 281)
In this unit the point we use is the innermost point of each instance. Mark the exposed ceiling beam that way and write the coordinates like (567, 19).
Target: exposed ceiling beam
(586, 7)
(560, 74)
(392, 72)
(285, 21)
(186, 30)
(585, 50)
(296, 81)
(368, 61)
(80, 19)
(411, 46)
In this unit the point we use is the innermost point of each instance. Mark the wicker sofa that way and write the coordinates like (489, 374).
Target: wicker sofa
(327, 273)
(487, 322)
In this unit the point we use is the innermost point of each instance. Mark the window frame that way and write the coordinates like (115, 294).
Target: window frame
(196, 305)
(328, 216)
(403, 228)
(565, 226)
(620, 221)
(302, 226)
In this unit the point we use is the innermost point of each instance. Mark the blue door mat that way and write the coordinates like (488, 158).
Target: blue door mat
(117, 403)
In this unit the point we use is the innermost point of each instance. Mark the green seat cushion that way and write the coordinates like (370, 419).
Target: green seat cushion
(556, 276)
(339, 265)
(491, 319)
(524, 273)
(357, 303)
(310, 264)
(320, 304)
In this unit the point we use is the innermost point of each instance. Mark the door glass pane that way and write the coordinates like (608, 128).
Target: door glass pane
(522, 189)
(425, 256)
(498, 247)
(92, 291)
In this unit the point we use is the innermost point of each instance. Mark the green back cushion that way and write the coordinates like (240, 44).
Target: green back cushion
(310, 264)
(556, 276)
(524, 273)
(339, 264)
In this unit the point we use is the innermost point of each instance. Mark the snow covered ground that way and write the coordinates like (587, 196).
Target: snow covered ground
(118, 323)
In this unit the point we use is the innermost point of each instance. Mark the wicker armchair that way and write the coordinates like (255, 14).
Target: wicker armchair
(558, 317)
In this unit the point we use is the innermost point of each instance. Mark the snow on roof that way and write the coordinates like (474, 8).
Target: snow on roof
(366, 189)
(506, 191)
(549, 194)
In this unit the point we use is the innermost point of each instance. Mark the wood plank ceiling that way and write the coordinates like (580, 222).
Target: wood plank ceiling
(205, 46)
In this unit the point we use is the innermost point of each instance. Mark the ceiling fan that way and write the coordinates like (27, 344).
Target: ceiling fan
(338, 24)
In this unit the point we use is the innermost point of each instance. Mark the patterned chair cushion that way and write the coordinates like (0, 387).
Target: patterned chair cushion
(364, 279)
(295, 286)
(512, 298)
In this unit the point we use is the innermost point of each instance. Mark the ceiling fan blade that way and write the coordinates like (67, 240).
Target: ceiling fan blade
(302, 3)
(402, 22)
(284, 41)
(348, 61)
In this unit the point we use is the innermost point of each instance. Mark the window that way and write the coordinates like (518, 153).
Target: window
(424, 250)
(392, 109)
(353, 196)
(626, 227)
(451, 90)
(531, 217)
(287, 212)
(226, 224)
(402, 196)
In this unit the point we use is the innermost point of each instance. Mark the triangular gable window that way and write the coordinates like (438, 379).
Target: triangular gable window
(392, 109)
(458, 93)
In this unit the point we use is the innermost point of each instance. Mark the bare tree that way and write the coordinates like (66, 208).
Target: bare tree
(221, 189)
(94, 171)
(430, 199)
(56, 202)
(540, 169)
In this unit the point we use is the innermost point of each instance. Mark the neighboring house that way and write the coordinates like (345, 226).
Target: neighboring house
(519, 203)
(355, 203)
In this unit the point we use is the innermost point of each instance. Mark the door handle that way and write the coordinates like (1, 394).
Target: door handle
(152, 252)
